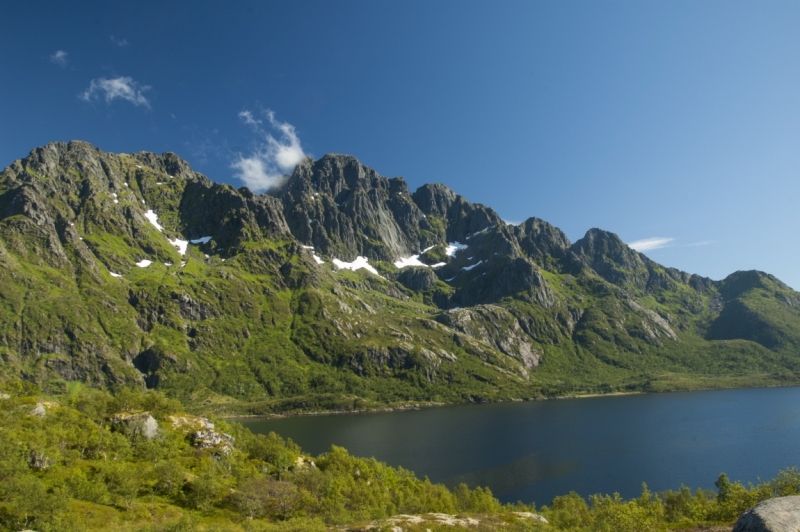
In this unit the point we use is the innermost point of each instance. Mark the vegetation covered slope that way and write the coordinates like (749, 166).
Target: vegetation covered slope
(136, 462)
(120, 269)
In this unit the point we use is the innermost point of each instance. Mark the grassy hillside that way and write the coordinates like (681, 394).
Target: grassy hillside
(135, 461)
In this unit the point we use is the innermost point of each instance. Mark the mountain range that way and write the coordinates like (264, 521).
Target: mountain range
(346, 290)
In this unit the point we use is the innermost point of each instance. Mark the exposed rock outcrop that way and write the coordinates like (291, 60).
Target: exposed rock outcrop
(345, 209)
(217, 442)
(135, 425)
(781, 514)
(417, 278)
(41, 408)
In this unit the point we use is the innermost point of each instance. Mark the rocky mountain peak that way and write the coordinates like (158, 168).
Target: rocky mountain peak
(740, 282)
(611, 258)
(435, 199)
(345, 209)
(543, 242)
(332, 174)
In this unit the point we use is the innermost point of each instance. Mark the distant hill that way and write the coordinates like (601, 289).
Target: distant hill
(132, 269)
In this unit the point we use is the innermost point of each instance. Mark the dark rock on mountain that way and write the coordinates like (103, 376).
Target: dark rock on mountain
(503, 277)
(240, 216)
(417, 278)
(345, 209)
(458, 217)
(435, 199)
(611, 259)
(543, 243)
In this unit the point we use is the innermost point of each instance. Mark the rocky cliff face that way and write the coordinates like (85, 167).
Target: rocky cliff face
(347, 210)
(133, 268)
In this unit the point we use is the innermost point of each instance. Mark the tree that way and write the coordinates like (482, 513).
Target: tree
(569, 512)
(31, 505)
(169, 478)
(279, 454)
(262, 496)
(124, 479)
(724, 487)
(613, 514)
(208, 486)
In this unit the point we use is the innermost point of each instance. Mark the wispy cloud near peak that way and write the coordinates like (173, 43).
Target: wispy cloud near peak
(119, 42)
(123, 88)
(649, 244)
(248, 119)
(266, 167)
(60, 58)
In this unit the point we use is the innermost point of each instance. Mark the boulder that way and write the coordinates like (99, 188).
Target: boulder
(39, 461)
(136, 426)
(41, 408)
(781, 514)
(529, 515)
(218, 442)
(202, 433)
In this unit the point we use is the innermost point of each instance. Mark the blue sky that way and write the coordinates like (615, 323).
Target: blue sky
(676, 122)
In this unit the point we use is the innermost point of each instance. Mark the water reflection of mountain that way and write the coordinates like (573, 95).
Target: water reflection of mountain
(514, 475)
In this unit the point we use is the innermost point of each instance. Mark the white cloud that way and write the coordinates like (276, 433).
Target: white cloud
(273, 158)
(648, 244)
(124, 88)
(119, 42)
(247, 116)
(59, 58)
(255, 173)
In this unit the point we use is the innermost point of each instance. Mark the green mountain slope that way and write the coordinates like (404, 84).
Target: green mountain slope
(131, 269)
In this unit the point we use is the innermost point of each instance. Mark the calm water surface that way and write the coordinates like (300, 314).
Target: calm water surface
(534, 451)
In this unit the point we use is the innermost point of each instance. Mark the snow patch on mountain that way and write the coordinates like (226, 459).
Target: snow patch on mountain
(468, 268)
(359, 263)
(454, 247)
(153, 218)
(180, 244)
(413, 260)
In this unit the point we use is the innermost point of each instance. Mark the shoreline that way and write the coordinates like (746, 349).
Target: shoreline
(419, 406)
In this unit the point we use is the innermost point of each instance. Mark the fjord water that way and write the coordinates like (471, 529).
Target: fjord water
(534, 451)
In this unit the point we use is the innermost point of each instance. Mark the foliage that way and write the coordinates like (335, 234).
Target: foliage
(70, 469)
(71, 465)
